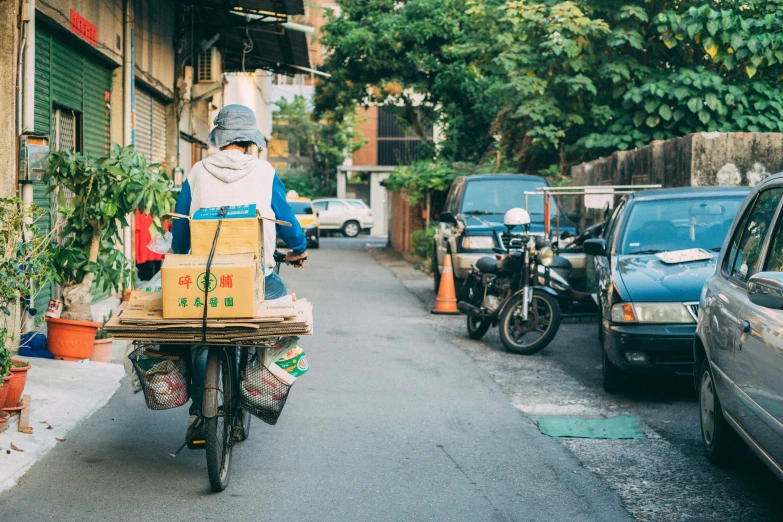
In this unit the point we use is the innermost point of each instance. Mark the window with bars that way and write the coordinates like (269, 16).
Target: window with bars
(66, 135)
(397, 145)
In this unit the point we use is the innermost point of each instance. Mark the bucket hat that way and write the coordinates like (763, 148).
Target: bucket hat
(235, 123)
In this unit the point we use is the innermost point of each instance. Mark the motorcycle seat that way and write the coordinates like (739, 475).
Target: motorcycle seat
(487, 265)
(561, 263)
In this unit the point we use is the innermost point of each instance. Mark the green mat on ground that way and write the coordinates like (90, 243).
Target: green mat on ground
(617, 427)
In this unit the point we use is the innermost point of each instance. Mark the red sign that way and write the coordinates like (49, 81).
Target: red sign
(83, 28)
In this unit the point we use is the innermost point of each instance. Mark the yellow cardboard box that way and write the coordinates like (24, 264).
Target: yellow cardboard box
(236, 286)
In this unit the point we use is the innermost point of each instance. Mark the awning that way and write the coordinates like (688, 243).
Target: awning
(281, 7)
(250, 43)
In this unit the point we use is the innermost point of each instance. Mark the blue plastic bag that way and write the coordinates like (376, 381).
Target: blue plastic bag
(34, 345)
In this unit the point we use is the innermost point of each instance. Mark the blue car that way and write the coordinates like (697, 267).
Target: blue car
(658, 249)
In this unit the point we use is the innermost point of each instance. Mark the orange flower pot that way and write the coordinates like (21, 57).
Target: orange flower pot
(16, 384)
(71, 340)
(4, 389)
(101, 350)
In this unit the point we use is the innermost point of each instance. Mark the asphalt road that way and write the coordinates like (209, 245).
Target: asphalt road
(662, 477)
(394, 421)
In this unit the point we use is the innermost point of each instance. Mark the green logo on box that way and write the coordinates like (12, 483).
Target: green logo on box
(201, 279)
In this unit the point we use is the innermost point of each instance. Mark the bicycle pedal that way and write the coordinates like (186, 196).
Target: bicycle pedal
(197, 444)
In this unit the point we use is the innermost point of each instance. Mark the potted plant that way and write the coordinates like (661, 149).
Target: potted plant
(105, 192)
(5, 372)
(101, 349)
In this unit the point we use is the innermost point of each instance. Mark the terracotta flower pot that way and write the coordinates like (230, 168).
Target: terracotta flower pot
(16, 384)
(71, 340)
(101, 350)
(4, 389)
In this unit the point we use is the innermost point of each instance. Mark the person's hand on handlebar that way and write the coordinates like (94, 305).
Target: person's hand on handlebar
(295, 260)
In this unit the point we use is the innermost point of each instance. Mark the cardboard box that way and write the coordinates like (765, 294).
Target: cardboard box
(242, 230)
(236, 286)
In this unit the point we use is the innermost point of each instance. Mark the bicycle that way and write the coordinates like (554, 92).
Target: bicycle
(225, 421)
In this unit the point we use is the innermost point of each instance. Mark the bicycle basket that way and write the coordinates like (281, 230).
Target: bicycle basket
(262, 393)
(164, 377)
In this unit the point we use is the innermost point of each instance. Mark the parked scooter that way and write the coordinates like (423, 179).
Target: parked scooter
(512, 292)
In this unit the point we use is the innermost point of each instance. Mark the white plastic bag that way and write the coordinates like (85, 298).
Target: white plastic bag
(160, 243)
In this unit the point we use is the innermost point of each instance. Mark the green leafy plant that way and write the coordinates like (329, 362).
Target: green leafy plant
(26, 263)
(423, 243)
(5, 355)
(105, 192)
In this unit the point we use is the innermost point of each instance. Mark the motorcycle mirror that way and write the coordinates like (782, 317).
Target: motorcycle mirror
(447, 217)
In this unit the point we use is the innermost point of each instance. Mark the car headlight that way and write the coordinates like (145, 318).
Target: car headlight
(669, 313)
(478, 242)
(546, 256)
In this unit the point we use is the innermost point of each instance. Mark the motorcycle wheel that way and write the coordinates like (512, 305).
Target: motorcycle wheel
(528, 337)
(477, 327)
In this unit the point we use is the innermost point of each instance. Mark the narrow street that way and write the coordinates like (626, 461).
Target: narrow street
(393, 422)
(665, 476)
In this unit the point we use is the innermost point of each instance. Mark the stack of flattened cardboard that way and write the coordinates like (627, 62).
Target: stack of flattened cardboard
(141, 319)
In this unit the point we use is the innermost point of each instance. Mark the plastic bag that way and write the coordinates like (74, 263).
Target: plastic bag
(160, 243)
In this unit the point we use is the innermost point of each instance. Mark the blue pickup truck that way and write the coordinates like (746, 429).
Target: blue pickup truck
(479, 203)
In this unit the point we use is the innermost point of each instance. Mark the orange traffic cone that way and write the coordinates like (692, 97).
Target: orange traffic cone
(446, 301)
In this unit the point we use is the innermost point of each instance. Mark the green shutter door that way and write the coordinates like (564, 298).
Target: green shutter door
(65, 77)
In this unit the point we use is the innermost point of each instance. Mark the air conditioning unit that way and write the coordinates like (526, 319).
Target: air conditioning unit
(209, 67)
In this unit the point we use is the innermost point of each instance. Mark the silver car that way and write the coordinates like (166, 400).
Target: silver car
(349, 216)
(739, 343)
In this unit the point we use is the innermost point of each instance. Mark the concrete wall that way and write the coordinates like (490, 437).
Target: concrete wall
(155, 22)
(105, 16)
(9, 41)
(703, 159)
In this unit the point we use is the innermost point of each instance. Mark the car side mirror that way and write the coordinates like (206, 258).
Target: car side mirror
(595, 247)
(447, 217)
(766, 289)
(573, 216)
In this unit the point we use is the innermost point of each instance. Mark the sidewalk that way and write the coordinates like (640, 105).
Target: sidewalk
(63, 394)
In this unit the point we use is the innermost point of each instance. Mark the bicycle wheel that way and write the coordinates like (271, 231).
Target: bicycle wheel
(219, 427)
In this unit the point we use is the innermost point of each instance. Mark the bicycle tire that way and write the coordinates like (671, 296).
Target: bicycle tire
(219, 429)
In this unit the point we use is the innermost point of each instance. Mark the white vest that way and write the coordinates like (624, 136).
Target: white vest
(253, 189)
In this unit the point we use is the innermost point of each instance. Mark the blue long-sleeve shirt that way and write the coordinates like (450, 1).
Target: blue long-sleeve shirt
(293, 236)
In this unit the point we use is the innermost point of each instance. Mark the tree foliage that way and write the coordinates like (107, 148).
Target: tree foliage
(558, 82)
(317, 146)
(403, 56)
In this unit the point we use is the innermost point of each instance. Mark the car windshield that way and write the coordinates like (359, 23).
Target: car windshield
(496, 196)
(679, 224)
(357, 203)
(301, 207)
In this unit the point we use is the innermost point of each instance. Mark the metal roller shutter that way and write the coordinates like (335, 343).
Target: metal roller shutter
(80, 87)
(150, 127)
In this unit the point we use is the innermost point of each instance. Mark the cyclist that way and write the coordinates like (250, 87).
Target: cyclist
(232, 177)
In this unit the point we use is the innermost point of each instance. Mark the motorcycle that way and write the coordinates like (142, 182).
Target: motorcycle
(568, 274)
(512, 292)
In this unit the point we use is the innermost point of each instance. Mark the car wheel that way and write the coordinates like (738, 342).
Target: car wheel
(721, 442)
(461, 290)
(613, 378)
(351, 229)
(315, 244)
(600, 323)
